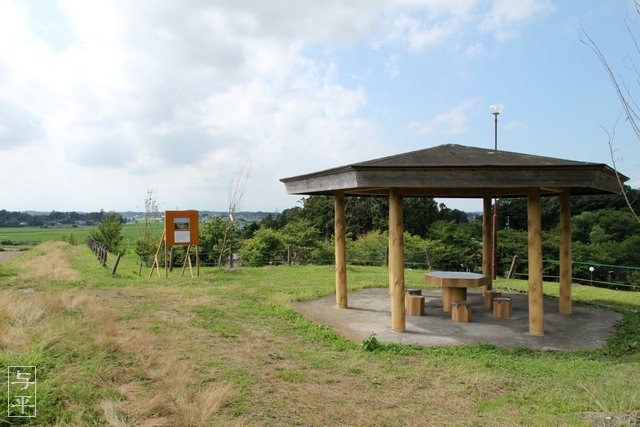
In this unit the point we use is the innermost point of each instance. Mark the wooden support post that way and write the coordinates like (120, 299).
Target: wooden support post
(487, 240)
(565, 253)
(289, 255)
(396, 261)
(536, 301)
(494, 243)
(340, 251)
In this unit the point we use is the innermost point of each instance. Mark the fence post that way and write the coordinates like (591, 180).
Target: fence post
(115, 264)
(426, 251)
(386, 256)
(514, 264)
(289, 255)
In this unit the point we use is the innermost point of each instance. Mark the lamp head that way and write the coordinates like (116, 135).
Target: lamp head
(496, 109)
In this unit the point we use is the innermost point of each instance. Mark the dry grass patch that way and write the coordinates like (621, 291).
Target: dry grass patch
(47, 261)
(296, 383)
(161, 386)
(129, 376)
(26, 314)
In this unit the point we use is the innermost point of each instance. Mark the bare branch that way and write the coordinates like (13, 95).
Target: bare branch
(610, 137)
(237, 190)
(627, 105)
(630, 108)
(238, 186)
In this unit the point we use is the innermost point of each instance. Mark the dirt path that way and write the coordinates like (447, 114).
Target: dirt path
(8, 255)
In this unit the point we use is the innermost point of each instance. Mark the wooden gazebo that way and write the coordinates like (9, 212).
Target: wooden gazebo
(457, 171)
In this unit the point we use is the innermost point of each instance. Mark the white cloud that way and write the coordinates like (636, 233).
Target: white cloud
(476, 50)
(418, 34)
(506, 17)
(516, 125)
(391, 66)
(452, 122)
(175, 95)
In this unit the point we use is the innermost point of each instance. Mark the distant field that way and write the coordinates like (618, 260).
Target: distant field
(22, 235)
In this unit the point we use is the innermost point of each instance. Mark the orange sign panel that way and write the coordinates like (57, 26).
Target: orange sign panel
(181, 227)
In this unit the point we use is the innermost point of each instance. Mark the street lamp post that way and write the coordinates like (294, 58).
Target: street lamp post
(495, 109)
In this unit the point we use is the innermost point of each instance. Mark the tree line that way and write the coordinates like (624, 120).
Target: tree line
(604, 231)
(21, 219)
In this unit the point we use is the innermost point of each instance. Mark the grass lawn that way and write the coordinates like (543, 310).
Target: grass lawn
(227, 349)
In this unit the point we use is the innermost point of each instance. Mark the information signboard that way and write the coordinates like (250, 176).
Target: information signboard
(181, 227)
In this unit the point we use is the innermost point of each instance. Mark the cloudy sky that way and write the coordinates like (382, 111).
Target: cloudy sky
(102, 100)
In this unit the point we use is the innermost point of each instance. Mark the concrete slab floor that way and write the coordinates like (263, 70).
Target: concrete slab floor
(587, 328)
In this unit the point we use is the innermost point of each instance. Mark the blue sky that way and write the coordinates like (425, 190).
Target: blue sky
(101, 101)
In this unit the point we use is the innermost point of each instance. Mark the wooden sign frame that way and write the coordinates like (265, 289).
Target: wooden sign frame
(181, 228)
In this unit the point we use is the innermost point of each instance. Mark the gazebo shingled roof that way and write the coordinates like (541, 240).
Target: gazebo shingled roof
(459, 171)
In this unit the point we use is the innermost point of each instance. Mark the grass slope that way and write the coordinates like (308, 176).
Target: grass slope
(227, 349)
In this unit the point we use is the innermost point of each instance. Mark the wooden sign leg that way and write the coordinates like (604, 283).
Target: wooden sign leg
(184, 262)
(156, 262)
(198, 262)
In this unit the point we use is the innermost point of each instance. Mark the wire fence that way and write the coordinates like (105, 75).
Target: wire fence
(603, 275)
(103, 255)
(591, 274)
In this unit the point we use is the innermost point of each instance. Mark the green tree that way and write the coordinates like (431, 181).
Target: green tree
(307, 243)
(213, 242)
(267, 245)
(368, 249)
(453, 248)
(109, 233)
(318, 211)
(419, 213)
(604, 225)
(415, 251)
